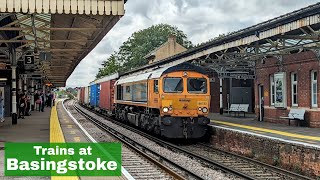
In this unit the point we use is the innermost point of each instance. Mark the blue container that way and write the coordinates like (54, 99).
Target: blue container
(95, 95)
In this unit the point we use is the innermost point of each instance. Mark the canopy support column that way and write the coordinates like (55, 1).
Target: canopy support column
(32, 95)
(221, 100)
(13, 85)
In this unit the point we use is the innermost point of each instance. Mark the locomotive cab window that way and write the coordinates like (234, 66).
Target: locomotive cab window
(155, 86)
(173, 85)
(197, 85)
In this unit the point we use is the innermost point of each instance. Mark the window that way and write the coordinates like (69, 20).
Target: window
(294, 89)
(173, 85)
(272, 90)
(314, 88)
(197, 85)
(155, 86)
(127, 89)
(139, 92)
(119, 92)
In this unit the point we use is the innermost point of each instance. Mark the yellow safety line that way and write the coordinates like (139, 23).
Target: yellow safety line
(56, 136)
(269, 130)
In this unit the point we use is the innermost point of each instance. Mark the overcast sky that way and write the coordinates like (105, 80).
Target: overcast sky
(200, 20)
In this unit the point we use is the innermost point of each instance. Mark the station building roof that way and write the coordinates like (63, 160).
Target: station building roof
(59, 33)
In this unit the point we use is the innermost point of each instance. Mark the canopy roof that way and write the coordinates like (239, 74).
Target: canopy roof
(61, 32)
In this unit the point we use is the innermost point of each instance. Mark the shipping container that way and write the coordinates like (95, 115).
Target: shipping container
(82, 95)
(86, 94)
(78, 93)
(94, 95)
(107, 95)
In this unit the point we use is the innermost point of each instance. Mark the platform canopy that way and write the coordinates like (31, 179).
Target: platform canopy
(236, 54)
(58, 33)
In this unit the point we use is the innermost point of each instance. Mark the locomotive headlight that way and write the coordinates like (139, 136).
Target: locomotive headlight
(165, 109)
(200, 109)
(170, 108)
(204, 110)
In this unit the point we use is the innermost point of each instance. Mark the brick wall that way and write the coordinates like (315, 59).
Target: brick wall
(302, 64)
(297, 158)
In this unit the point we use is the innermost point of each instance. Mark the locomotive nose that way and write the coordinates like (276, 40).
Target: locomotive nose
(185, 106)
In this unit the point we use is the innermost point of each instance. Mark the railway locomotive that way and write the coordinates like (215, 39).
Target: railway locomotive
(171, 101)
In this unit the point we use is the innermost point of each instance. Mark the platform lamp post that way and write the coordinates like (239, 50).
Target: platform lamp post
(32, 95)
(13, 59)
(20, 85)
(14, 96)
(25, 84)
(221, 100)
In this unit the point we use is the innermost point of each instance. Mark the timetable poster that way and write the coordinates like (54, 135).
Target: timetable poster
(280, 89)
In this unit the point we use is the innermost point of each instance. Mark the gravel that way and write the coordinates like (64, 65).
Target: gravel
(184, 161)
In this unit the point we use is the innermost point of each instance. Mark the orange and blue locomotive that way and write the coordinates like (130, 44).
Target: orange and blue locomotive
(171, 101)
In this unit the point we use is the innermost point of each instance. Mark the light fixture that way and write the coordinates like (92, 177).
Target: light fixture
(204, 110)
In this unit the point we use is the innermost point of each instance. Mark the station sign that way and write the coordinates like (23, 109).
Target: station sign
(237, 76)
(242, 76)
(28, 59)
(45, 56)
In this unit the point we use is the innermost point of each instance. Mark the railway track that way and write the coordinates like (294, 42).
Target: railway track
(145, 165)
(239, 166)
(254, 168)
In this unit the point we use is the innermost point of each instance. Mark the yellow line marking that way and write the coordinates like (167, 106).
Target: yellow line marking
(56, 136)
(72, 132)
(258, 132)
(69, 126)
(269, 131)
(77, 139)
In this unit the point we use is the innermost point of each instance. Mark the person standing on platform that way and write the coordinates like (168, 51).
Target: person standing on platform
(49, 99)
(53, 98)
(42, 97)
(37, 100)
(28, 108)
(22, 106)
(1, 106)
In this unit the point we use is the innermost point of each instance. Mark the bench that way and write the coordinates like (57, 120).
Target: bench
(295, 114)
(239, 108)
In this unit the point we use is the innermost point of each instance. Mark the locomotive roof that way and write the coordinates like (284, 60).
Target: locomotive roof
(105, 78)
(185, 67)
(156, 73)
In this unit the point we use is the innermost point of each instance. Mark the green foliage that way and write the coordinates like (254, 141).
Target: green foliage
(131, 53)
(70, 96)
(72, 91)
(109, 67)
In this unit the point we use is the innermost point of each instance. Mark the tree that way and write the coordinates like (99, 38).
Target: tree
(131, 52)
(109, 67)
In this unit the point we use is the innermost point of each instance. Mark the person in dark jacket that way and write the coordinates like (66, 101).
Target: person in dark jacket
(42, 97)
(22, 106)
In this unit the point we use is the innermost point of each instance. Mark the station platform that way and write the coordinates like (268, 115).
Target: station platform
(293, 148)
(52, 125)
(248, 124)
(34, 128)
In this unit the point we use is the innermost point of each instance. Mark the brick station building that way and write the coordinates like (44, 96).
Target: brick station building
(300, 73)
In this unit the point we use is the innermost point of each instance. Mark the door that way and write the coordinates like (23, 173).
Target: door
(261, 103)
